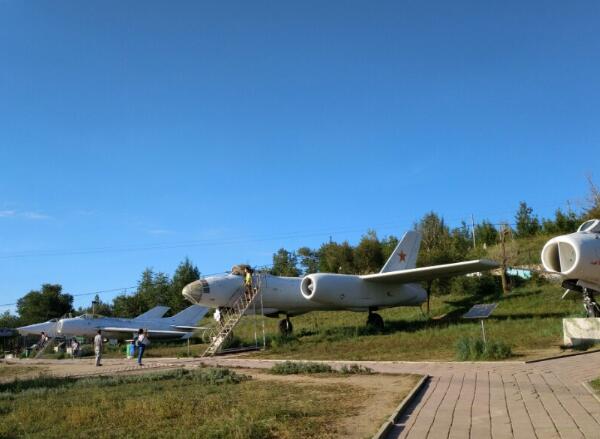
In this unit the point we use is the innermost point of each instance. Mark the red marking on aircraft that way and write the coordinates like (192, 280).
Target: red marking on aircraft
(402, 256)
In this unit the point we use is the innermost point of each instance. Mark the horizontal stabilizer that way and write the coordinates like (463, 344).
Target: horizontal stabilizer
(155, 313)
(433, 272)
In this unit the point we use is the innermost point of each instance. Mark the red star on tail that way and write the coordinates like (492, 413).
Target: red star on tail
(402, 256)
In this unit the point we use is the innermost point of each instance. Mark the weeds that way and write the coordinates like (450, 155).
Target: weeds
(474, 349)
(292, 368)
(355, 369)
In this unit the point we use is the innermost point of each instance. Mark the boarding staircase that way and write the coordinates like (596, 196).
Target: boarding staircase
(40, 351)
(232, 314)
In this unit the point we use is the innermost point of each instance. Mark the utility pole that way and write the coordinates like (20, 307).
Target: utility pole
(473, 228)
(504, 231)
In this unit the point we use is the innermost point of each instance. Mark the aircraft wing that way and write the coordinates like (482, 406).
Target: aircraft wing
(433, 272)
(189, 328)
(155, 313)
(136, 329)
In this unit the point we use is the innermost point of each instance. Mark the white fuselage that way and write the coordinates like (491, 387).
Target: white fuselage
(88, 325)
(284, 294)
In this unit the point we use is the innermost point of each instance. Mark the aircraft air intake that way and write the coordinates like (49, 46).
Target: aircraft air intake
(559, 255)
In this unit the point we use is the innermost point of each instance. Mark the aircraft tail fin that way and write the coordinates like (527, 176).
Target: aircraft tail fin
(405, 254)
(155, 313)
(189, 316)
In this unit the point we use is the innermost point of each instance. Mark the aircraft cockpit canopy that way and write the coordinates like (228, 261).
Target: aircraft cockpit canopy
(592, 226)
(89, 316)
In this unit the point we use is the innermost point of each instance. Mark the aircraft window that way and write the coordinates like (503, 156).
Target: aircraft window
(590, 226)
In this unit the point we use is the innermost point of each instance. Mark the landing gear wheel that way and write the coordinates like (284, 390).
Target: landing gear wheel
(375, 321)
(285, 327)
(591, 307)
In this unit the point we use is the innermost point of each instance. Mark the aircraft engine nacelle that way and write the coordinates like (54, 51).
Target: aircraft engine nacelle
(333, 289)
(575, 256)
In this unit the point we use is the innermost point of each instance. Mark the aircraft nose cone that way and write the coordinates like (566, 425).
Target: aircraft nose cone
(193, 291)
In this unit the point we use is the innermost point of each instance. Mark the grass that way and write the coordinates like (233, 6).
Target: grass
(529, 320)
(596, 385)
(10, 372)
(208, 403)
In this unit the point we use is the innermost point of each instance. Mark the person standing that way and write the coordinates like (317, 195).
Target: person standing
(248, 282)
(74, 347)
(142, 342)
(98, 345)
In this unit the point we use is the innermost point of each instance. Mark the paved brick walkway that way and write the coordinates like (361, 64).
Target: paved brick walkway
(492, 400)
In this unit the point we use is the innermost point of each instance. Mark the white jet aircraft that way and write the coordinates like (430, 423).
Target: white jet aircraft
(397, 284)
(180, 326)
(50, 326)
(576, 257)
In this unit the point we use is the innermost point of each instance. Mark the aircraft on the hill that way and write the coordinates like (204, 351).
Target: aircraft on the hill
(180, 326)
(576, 257)
(397, 284)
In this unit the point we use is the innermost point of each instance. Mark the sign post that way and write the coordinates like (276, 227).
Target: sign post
(481, 312)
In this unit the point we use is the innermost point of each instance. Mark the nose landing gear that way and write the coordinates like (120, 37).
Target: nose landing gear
(590, 304)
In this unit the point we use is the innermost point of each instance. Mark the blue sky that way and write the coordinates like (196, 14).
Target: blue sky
(223, 131)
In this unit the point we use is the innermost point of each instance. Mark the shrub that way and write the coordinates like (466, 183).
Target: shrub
(291, 368)
(209, 375)
(356, 369)
(474, 349)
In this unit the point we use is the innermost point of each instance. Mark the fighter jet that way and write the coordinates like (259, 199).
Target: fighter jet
(397, 284)
(50, 326)
(576, 257)
(180, 326)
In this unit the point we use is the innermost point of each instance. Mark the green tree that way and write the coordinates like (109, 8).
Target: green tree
(462, 242)
(309, 260)
(593, 209)
(336, 258)
(486, 233)
(285, 264)
(388, 245)
(40, 306)
(436, 248)
(562, 223)
(98, 307)
(185, 273)
(527, 223)
(8, 320)
(128, 306)
(368, 254)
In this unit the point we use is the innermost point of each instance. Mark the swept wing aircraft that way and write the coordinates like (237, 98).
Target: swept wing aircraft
(397, 284)
(50, 326)
(180, 326)
(576, 257)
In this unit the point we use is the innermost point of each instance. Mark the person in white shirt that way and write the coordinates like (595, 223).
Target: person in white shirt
(141, 342)
(98, 345)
